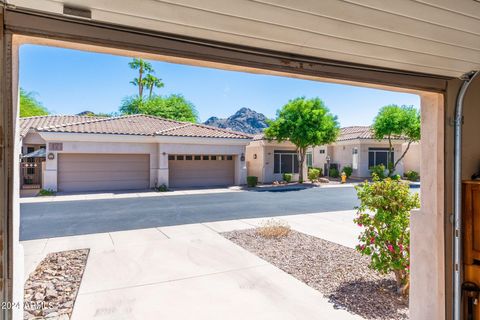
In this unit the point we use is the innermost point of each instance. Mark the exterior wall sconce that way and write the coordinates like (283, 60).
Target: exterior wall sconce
(255, 156)
(242, 157)
(51, 156)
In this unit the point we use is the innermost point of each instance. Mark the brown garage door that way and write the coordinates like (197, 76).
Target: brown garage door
(94, 172)
(201, 170)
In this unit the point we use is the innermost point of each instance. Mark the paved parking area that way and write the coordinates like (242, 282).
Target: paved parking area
(191, 272)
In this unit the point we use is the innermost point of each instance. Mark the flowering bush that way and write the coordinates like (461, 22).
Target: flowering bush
(384, 215)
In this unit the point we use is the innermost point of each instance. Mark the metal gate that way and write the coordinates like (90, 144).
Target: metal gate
(31, 173)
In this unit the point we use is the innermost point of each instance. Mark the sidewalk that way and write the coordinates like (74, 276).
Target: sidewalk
(192, 272)
(124, 194)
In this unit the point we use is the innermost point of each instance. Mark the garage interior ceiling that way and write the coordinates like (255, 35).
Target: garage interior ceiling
(439, 37)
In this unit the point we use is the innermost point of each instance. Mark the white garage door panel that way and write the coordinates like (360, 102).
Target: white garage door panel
(201, 173)
(94, 172)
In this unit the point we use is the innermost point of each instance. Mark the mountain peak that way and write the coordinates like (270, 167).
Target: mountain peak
(244, 120)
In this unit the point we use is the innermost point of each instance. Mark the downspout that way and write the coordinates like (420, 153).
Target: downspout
(457, 215)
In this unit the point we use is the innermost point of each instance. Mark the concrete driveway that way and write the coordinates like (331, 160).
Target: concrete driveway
(48, 219)
(192, 272)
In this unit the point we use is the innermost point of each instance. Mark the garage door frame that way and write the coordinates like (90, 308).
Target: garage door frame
(116, 160)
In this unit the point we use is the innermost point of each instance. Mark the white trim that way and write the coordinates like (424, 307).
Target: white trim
(96, 137)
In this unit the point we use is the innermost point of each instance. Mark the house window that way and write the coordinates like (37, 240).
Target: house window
(322, 151)
(197, 157)
(189, 157)
(229, 157)
(171, 157)
(213, 157)
(205, 157)
(179, 157)
(285, 161)
(378, 156)
(309, 159)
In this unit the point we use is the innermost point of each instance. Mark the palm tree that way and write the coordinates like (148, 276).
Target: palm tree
(150, 82)
(143, 67)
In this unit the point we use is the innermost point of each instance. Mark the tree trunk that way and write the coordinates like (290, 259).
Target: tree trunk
(403, 154)
(140, 82)
(403, 282)
(301, 159)
(390, 165)
(151, 91)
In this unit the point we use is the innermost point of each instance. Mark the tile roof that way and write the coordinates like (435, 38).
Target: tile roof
(346, 133)
(47, 121)
(358, 132)
(143, 125)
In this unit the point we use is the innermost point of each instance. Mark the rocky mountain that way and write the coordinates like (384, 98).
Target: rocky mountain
(244, 120)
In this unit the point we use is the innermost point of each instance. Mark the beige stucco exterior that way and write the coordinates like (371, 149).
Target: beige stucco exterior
(157, 148)
(260, 160)
(341, 153)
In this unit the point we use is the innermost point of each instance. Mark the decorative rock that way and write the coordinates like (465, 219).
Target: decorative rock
(54, 284)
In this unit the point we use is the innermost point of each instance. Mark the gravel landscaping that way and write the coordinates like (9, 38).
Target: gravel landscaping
(51, 290)
(341, 274)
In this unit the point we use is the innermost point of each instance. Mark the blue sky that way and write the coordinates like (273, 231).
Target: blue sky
(69, 81)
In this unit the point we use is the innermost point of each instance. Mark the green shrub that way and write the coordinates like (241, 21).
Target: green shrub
(348, 171)
(412, 175)
(161, 188)
(252, 181)
(384, 215)
(313, 174)
(334, 173)
(379, 171)
(46, 192)
(287, 177)
(396, 177)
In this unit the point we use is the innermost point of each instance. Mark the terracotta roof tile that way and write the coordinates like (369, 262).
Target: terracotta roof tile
(135, 125)
(47, 121)
(346, 133)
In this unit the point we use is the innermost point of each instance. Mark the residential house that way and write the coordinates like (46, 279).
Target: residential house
(355, 147)
(131, 152)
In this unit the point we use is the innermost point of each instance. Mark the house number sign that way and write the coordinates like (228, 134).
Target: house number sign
(55, 146)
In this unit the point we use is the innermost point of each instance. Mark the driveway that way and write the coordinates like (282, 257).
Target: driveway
(191, 272)
(68, 218)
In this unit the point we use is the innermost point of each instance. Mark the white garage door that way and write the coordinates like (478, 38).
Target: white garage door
(94, 172)
(201, 170)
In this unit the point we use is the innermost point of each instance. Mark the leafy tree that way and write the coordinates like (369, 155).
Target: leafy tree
(305, 123)
(384, 215)
(394, 121)
(30, 106)
(174, 107)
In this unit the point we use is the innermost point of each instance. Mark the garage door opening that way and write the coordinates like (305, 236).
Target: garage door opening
(189, 167)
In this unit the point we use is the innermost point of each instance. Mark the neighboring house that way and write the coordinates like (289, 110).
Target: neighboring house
(355, 147)
(132, 152)
(268, 160)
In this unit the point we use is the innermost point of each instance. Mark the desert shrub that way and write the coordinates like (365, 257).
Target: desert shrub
(384, 215)
(252, 181)
(334, 173)
(313, 174)
(161, 188)
(348, 171)
(379, 171)
(287, 177)
(274, 229)
(412, 175)
(320, 171)
(46, 192)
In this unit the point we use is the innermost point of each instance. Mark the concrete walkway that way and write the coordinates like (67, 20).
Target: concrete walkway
(192, 272)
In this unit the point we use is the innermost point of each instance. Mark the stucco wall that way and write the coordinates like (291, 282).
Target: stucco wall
(255, 158)
(412, 158)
